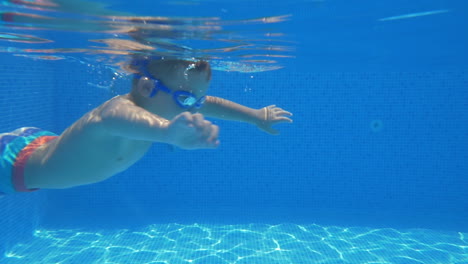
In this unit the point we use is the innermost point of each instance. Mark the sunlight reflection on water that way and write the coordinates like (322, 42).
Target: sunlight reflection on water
(244, 45)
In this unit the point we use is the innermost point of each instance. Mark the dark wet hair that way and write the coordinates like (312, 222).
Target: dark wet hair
(204, 66)
(138, 64)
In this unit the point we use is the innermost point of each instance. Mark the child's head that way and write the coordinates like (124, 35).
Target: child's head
(170, 87)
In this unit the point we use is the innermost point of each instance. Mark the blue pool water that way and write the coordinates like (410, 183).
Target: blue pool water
(372, 170)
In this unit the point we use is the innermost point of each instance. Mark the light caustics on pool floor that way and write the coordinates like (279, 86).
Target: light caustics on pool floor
(254, 243)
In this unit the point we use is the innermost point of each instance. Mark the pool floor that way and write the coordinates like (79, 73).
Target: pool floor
(240, 244)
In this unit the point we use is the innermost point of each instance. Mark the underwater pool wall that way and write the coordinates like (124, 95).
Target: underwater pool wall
(377, 149)
(26, 99)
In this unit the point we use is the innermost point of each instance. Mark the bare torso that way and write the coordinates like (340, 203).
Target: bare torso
(84, 153)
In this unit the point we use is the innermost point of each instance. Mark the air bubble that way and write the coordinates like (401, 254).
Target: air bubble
(376, 125)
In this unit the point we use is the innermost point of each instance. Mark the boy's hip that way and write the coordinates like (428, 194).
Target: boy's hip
(15, 149)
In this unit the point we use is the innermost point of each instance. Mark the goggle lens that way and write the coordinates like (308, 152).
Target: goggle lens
(189, 101)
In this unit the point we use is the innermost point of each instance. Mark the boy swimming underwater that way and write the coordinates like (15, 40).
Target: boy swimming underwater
(167, 103)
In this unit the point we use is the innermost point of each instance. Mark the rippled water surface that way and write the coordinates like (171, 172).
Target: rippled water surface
(92, 32)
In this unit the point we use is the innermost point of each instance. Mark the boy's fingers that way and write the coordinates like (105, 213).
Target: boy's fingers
(282, 119)
(205, 127)
(214, 134)
(198, 120)
(283, 112)
(185, 117)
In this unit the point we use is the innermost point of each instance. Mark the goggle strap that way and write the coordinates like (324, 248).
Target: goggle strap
(154, 91)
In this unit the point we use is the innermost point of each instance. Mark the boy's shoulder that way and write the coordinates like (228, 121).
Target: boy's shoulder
(95, 117)
(118, 102)
(94, 122)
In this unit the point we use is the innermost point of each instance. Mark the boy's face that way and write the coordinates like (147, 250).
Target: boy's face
(178, 75)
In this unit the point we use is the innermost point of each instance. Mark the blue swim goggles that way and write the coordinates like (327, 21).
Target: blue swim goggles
(184, 99)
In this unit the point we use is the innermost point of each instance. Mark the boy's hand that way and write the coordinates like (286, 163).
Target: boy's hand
(272, 115)
(192, 131)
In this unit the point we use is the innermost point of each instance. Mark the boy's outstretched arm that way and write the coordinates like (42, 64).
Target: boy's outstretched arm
(188, 131)
(123, 118)
(264, 118)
